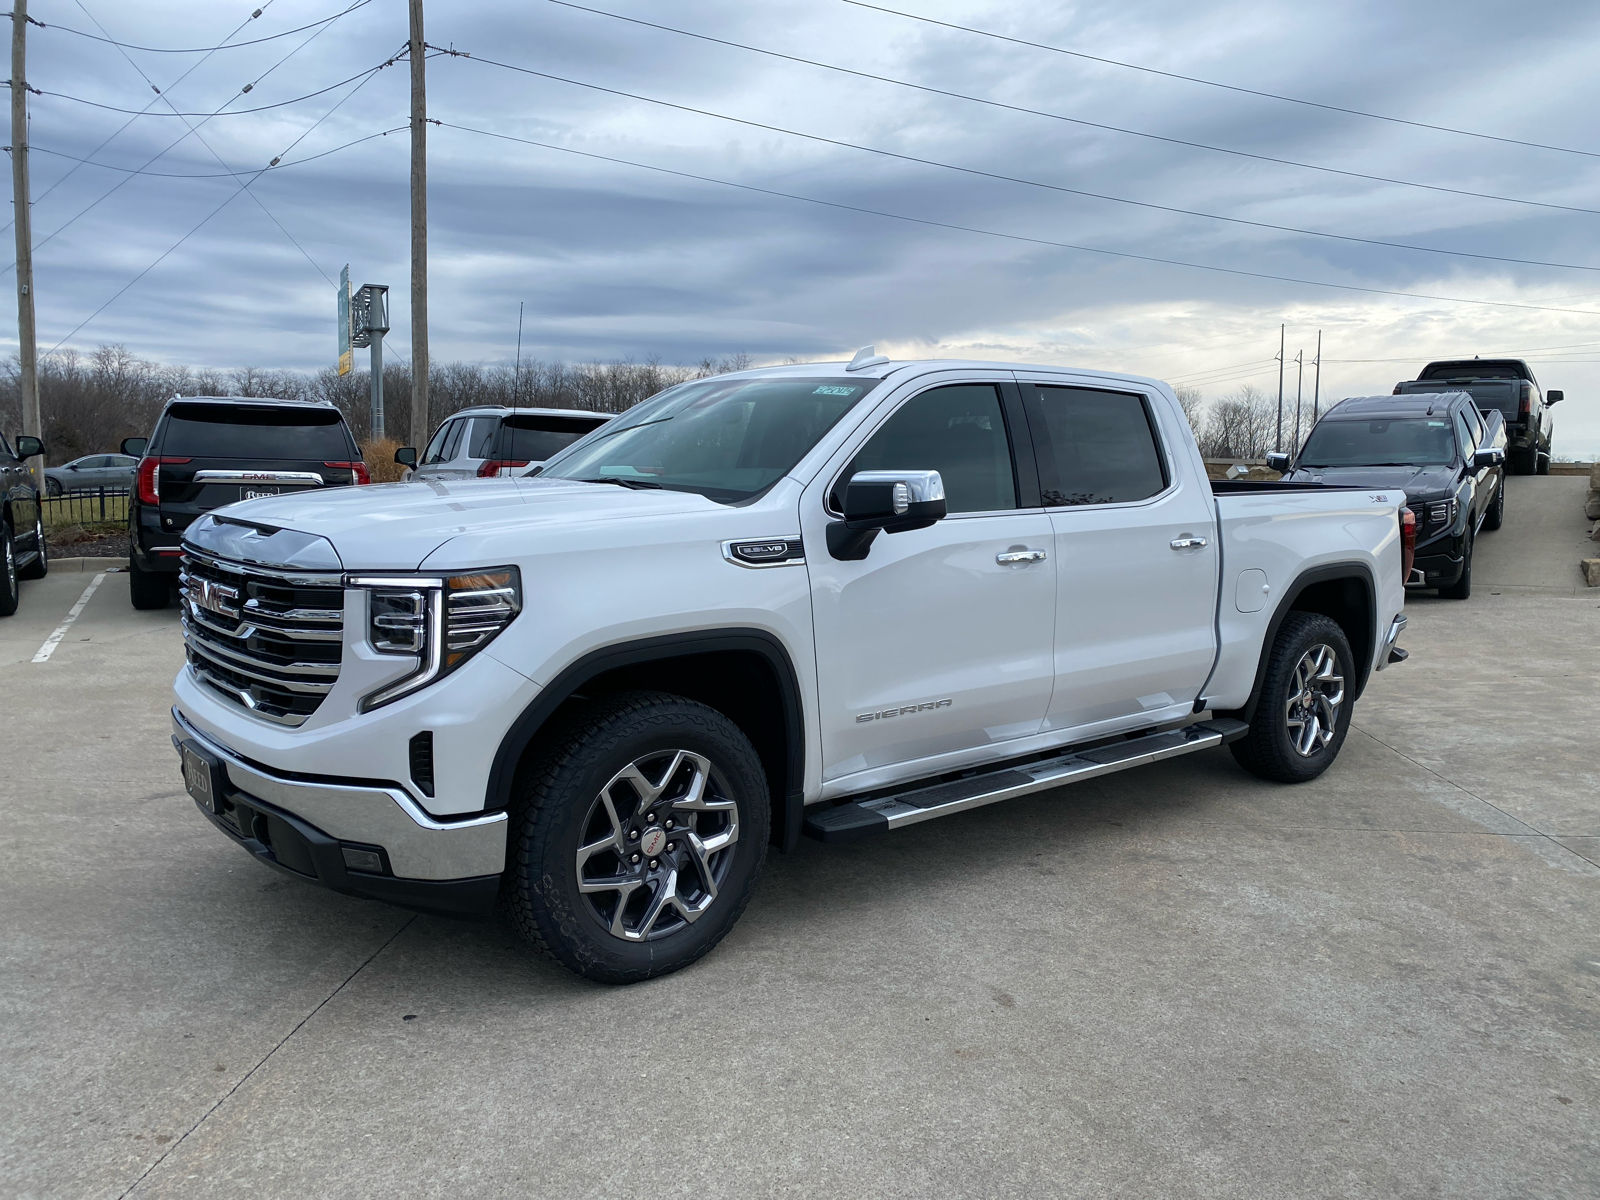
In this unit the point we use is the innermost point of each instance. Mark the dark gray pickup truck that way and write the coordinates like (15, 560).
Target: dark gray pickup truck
(1503, 385)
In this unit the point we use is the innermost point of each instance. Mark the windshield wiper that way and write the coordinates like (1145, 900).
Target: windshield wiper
(627, 483)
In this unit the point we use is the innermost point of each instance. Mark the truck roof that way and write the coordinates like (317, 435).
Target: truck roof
(1423, 404)
(913, 366)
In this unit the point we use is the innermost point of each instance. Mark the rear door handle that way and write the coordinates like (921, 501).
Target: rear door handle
(1011, 558)
(1187, 543)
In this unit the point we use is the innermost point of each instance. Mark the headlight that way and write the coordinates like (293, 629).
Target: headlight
(441, 620)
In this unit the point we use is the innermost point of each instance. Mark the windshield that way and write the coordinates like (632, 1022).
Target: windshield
(256, 431)
(536, 438)
(1411, 441)
(727, 439)
(1474, 370)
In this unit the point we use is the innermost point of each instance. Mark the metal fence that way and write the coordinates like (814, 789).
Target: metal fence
(85, 506)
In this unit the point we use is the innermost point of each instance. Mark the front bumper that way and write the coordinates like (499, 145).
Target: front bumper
(305, 826)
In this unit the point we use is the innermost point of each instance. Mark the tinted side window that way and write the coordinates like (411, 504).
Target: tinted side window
(483, 430)
(1095, 447)
(538, 438)
(957, 431)
(435, 451)
(1464, 434)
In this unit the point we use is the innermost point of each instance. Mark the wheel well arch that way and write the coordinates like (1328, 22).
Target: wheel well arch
(745, 674)
(1343, 592)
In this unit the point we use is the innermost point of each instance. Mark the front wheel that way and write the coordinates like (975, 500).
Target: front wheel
(1303, 712)
(40, 566)
(1496, 515)
(8, 571)
(636, 838)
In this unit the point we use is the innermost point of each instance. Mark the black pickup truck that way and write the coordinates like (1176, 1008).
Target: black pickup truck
(208, 451)
(1449, 458)
(22, 549)
(1505, 386)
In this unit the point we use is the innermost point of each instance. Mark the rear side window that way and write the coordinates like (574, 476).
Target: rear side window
(957, 431)
(244, 431)
(435, 450)
(536, 439)
(481, 438)
(1095, 447)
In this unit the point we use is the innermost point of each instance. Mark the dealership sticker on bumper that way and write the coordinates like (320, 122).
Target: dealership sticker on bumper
(199, 778)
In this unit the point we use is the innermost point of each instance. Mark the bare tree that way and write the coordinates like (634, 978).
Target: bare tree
(1193, 405)
(1240, 424)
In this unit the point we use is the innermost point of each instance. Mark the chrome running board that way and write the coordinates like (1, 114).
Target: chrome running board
(858, 819)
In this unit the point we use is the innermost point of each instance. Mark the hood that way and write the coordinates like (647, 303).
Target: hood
(1418, 482)
(395, 526)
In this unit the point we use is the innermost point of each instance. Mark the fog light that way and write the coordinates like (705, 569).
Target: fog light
(359, 859)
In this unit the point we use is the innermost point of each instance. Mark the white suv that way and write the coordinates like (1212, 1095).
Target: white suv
(496, 440)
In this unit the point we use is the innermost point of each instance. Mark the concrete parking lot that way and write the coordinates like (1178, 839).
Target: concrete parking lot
(1174, 982)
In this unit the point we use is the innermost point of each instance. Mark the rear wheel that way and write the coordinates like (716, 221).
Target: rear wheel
(1461, 589)
(637, 837)
(145, 588)
(1543, 465)
(1496, 515)
(8, 571)
(40, 566)
(52, 487)
(1303, 712)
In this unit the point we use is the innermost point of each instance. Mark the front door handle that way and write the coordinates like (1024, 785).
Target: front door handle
(1187, 543)
(1011, 558)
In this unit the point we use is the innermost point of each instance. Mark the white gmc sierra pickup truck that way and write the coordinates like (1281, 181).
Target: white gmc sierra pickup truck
(830, 599)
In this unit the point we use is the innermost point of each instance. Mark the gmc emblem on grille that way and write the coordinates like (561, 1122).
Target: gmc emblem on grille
(214, 597)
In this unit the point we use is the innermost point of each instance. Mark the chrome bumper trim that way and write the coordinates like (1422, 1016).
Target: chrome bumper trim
(419, 847)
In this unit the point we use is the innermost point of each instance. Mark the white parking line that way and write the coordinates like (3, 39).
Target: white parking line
(54, 640)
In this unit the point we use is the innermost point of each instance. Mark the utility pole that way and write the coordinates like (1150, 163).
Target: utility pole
(1316, 388)
(419, 230)
(516, 398)
(1299, 393)
(27, 345)
(1277, 440)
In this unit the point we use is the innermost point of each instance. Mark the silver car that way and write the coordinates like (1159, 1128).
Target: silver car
(488, 441)
(90, 472)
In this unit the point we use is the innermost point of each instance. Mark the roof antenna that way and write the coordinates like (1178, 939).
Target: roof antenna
(867, 356)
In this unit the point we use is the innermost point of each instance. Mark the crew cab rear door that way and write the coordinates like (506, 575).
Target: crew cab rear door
(938, 643)
(1136, 554)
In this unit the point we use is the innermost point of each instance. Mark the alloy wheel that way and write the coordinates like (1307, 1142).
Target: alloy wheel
(656, 845)
(1316, 694)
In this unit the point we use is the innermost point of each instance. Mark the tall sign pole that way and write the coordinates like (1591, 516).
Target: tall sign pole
(27, 344)
(369, 322)
(419, 230)
(1316, 387)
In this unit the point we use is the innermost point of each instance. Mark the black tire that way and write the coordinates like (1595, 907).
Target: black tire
(1523, 462)
(146, 589)
(40, 566)
(9, 592)
(559, 808)
(1461, 589)
(1542, 464)
(1269, 749)
(1496, 515)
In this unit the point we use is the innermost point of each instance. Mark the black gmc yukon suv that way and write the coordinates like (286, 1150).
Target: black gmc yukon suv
(1447, 456)
(208, 451)
(1505, 386)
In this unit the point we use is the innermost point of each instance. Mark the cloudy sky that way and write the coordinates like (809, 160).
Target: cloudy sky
(621, 261)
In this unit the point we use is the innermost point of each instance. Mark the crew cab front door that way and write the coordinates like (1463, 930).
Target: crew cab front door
(939, 641)
(1136, 559)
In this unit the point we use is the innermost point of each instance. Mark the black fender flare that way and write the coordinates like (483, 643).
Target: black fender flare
(1324, 573)
(788, 807)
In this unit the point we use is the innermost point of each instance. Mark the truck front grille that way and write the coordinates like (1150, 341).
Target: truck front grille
(268, 640)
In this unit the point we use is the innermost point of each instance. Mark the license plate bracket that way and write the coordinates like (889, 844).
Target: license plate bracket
(202, 776)
(252, 492)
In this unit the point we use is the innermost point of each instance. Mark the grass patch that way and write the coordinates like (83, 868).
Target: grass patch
(84, 510)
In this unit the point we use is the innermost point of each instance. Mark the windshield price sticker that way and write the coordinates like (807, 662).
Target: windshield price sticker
(831, 390)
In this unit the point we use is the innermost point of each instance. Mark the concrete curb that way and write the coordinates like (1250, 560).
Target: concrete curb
(68, 565)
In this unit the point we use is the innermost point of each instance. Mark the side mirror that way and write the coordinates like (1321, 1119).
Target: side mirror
(28, 447)
(1489, 456)
(890, 501)
(1278, 462)
(406, 456)
(134, 447)
(1554, 397)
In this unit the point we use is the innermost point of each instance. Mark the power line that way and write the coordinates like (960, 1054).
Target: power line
(207, 50)
(1354, 112)
(1017, 237)
(232, 196)
(1036, 112)
(216, 174)
(1071, 191)
(238, 112)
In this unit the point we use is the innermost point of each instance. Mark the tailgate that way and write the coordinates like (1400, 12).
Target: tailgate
(191, 488)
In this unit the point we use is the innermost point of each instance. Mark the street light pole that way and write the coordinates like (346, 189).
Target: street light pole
(1316, 387)
(1299, 393)
(1277, 440)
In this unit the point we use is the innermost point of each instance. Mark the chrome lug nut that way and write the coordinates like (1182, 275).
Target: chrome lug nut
(654, 863)
(669, 822)
(634, 858)
(672, 845)
(633, 835)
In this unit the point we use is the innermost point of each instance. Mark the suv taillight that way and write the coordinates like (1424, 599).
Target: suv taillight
(1408, 543)
(1397, 389)
(359, 469)
(150, 478)
(1527, 399)
(491, 467)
